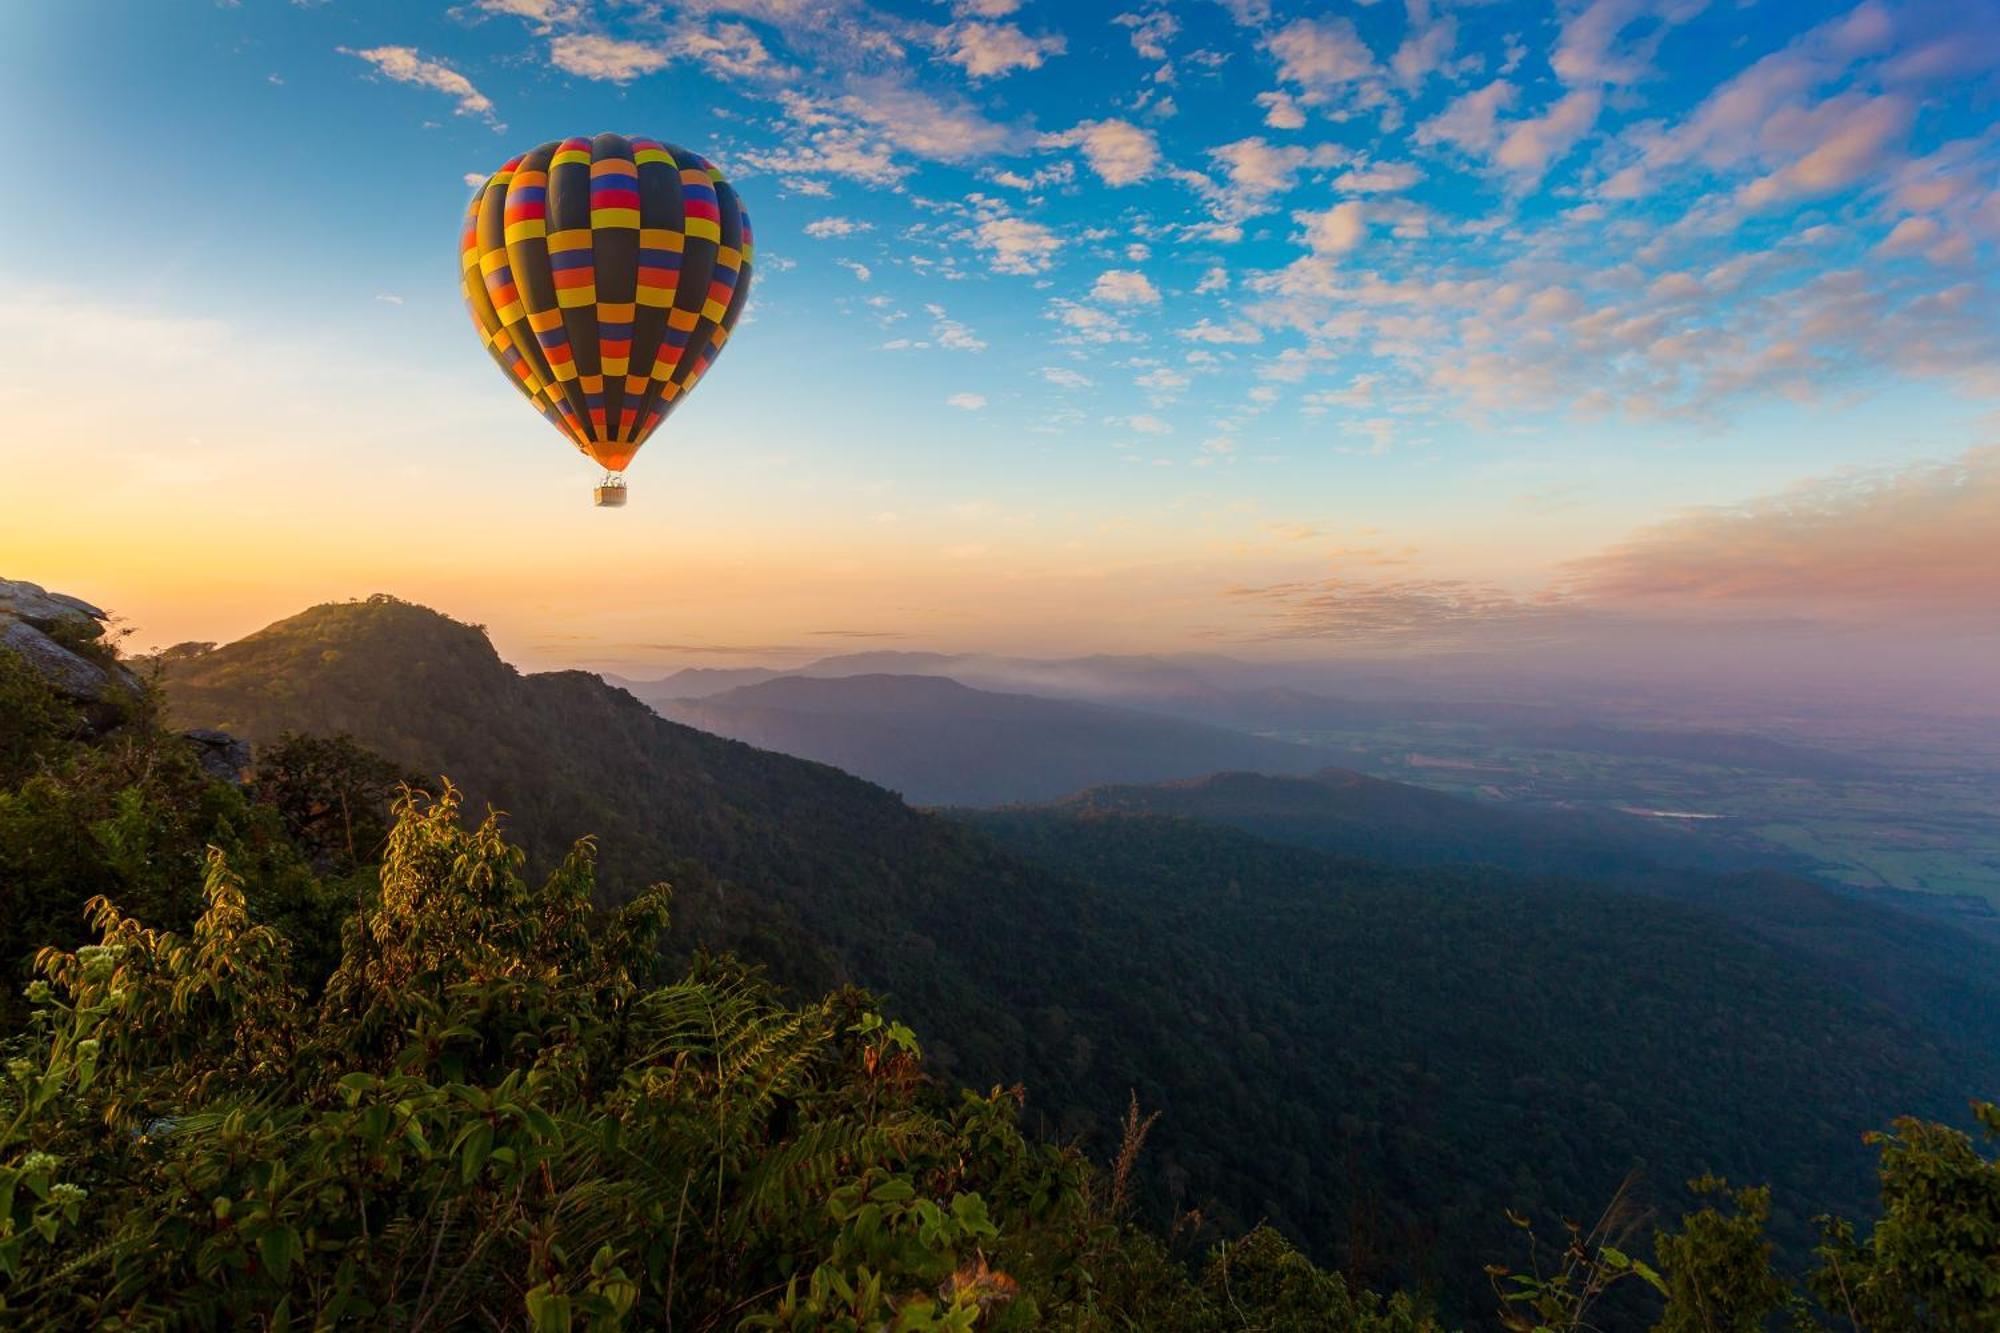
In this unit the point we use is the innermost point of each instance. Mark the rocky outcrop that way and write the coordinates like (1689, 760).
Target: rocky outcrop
(221, 755)
(62, 637)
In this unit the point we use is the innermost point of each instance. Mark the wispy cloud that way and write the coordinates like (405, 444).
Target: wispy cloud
(1880, 545)
(405, 64)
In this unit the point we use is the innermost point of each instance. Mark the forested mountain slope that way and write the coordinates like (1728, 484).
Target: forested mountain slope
(1921, 964)
(1382, 1032)
(1377, 1059)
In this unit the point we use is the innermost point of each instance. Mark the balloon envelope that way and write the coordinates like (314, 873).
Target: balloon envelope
(604, 276)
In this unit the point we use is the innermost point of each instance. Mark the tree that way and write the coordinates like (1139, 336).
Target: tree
(333, 794)
(496, 1113)
(1932, 1261)
(1718, 1266)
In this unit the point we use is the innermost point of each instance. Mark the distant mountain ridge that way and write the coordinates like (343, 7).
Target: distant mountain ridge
(1271, 697)
(940, 742)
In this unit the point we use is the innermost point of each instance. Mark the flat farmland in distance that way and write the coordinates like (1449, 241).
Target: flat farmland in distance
(1926, 821)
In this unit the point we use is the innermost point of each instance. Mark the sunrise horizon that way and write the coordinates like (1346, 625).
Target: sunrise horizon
(1408, 331)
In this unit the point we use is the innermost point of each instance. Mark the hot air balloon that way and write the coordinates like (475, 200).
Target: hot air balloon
(604, 276)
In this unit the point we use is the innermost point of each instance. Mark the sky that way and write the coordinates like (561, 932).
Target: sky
(1624, 330)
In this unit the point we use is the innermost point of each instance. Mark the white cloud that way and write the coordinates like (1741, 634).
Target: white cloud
(1336, 230)
(1151, 31)
(1379, 178)
(937, 128)
(1066, 378)
(1120, 152)
(1125, 287)
(1525, 148)
(1015, 245)
(1321, 53)
(1288, 367)
(969, 402)
(1360, 392)
(1216, 279)
(1911, 236)
(825, 228)
(861, 271)
(952, 335)
(1281, 111)
(1379, 431)
(860, 132)
(1472, 120)
(1588, 50)
(1843, 139)
(1056, 173)
(1259, 169)
(544, 14)
(1533, 145)
(1087, 324)
(731, 50)
(594, 56)
(834, 150)
(1760, 116)
(1148, 424)
(406, 64)
(984, 50)
(1424, 50)
(1237, 332)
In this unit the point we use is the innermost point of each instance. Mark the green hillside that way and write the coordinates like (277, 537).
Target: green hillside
(1416, 1050)
(1892, 949)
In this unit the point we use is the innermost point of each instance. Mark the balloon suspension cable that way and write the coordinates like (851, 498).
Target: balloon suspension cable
(610, 492)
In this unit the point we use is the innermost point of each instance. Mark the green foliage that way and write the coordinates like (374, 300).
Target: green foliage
(333, 795)
(1263, 1272)
(131, 815)
(1932, 1261)
(1567, 1287)
(35, 722)
(1722, 1276)
(490, 1116)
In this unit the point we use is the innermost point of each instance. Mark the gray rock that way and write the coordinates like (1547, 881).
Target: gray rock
(221, 755)
(45, 610)
(31, 618)
(70, 673)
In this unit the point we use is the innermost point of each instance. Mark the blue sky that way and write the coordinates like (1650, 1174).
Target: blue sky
(1130, 325)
